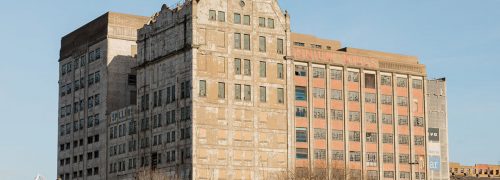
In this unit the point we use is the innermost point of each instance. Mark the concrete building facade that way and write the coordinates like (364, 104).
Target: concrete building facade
(95, 78)
(437, 129)
(225, 90)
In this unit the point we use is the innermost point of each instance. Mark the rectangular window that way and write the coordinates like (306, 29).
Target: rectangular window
(248, 67)
(385, 80)
(402, 101)
(337, 114)
(262, 44)
(404, 158)
(388, 158)
(387, 119)
(404, 139)
(419, 140)
(354, 96)
(371, 117)
(237, 18)
(300, 111)
(262, 69)
(417, 84)
(402, 120)
(301, 153)
(280, 71)
(353, 76)
(319, 154)
(386, 99)
(281, 96)
(402, 82)
(418, 121)
(318, 73)
(354, 116)
(404, 175)
(354, 136)
(248, 93)
(336, 74)
(246, 20)
(370, 81)
(262, 22)
(319, 93)
(319, 133)
(221, 16)
(301, 44)
(300, 93)
(371, 137)
(372, 175)
(355, 156)
(388, 138)
(270, 23)
(237, 91)
(246, 41)
(370, 98)
(337, 135)
(301, 134)
(222, 90)
(319, 113)
(263, 95)
(336, 94)
(300, 70)
(389, 174)
(203, 88)
(212, 15)
(338, 155)
(237, 41)
(371, 159)
(280, 46)
(237, 66)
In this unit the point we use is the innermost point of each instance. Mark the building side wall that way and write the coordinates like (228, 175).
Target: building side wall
(238, 138)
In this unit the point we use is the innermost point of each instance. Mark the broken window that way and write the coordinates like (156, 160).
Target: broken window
(300, 70)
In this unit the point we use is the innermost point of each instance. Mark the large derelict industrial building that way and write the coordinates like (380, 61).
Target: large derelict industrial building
(217, 89)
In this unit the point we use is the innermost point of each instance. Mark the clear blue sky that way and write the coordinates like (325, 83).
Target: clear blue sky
(459, 39)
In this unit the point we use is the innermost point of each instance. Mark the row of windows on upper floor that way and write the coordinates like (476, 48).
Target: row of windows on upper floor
(92, 121)
(370, 80)
(154, 160)
(92, 101)
(79, 174)
(93, 78)
(356, 173)
(353, 96)
(80, 61)
(355, 156)
(79, 159)
(78, 143)
(315, 46)
(220, 16)
(241, 92)
(355, 136)
(355, 116)
(262, 43)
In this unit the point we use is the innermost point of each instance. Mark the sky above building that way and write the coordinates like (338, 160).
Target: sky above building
(456, 39)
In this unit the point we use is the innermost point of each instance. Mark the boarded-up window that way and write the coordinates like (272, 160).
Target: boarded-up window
(203, 88)
(280, 46)
(237, 66)
(281, 98)
(263, 95)
(237, 91)
(246, 41)
(248, 93)
(237, 41)
(262, 69)
(248, 67)
(222, 90)
(262, 44)
(237, 18)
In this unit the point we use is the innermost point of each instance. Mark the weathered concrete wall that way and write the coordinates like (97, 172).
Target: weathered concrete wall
(237, 138)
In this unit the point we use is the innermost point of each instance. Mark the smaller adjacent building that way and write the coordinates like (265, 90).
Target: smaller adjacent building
(478, 170)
